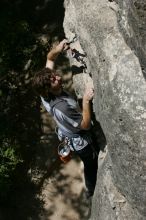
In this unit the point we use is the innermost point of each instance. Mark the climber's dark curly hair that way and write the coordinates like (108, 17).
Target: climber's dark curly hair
(41, 81)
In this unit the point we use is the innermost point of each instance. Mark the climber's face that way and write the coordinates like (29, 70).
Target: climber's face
(55, 82)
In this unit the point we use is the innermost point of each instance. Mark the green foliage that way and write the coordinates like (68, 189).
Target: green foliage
(21, 54)
(9, 160)
(19, 44)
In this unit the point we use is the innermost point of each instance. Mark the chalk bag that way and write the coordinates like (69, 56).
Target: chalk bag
(64, 152)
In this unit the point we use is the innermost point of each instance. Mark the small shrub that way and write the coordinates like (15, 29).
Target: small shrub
(8, 163)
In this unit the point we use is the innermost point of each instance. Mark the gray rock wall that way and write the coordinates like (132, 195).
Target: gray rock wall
(113, 35)
(132, 21)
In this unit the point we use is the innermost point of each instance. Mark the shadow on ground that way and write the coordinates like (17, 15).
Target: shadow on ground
(60, 195)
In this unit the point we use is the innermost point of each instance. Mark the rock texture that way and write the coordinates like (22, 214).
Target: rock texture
(113, 35)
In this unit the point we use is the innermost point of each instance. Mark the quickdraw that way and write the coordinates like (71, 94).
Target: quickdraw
(77, 55)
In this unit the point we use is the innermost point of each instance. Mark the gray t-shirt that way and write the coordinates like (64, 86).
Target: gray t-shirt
(68, 117)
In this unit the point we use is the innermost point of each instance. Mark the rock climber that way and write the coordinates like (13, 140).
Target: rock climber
(73, 123)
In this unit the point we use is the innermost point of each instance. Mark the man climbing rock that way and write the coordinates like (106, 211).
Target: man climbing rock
(73, 124)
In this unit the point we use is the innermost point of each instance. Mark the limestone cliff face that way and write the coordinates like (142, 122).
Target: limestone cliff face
(113, 35)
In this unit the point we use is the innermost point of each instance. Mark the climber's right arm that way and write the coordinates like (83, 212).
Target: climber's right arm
(54, 52)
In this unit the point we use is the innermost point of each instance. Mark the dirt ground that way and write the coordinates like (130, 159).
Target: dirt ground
(63, 194)
(60, 197)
